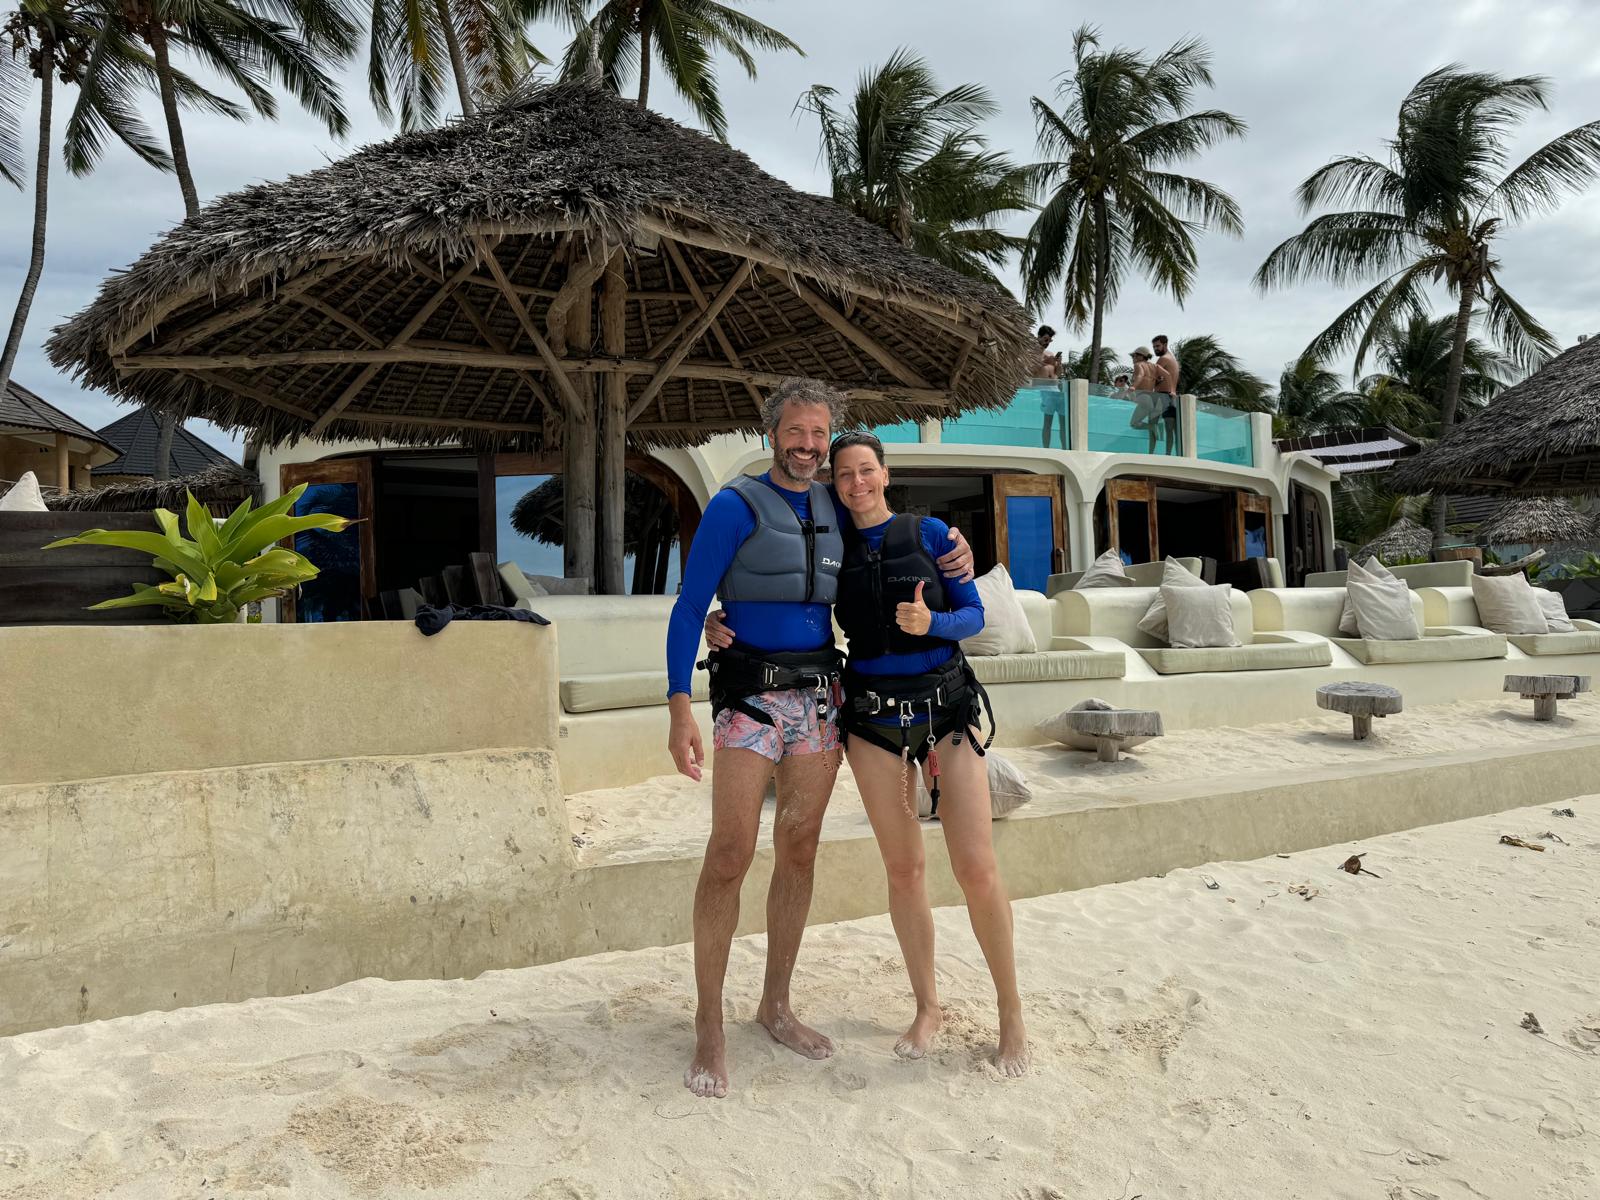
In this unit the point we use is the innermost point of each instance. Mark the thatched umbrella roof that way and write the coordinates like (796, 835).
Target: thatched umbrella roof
(1540, 437)
(1540, 521)
(1404, 539)
(219, 488)
(539, 512)
(437, 288)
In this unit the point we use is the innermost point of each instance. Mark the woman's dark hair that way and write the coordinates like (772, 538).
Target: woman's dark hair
(858, 437)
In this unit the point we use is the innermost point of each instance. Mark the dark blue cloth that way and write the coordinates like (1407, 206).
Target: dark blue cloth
(963, 620)
(727, 522)
(431, 620)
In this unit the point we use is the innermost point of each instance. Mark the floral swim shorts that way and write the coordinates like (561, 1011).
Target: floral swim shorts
(799, 725)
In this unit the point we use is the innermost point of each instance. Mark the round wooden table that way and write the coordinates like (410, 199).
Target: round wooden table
(1545, 690)
(1361, 701)
(1110, 727)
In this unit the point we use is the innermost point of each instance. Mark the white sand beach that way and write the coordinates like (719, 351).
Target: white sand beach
(668, 816)
(1240, 1041)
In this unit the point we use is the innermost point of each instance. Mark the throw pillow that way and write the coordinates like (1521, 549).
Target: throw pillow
(1005, 626)
(1382, 609)
(1105, 571)
(1506, 604)
(1008, 788)
(1357, 572)
(1555, 610)
(1059, 729)
(24, 496)
(1201, 616)
(1173, 574)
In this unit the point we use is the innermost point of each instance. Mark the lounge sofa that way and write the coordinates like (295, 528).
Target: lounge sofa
(1143, 575)
(1115, 613)
(1455, 606)
(1317, 610)
(1457, 573)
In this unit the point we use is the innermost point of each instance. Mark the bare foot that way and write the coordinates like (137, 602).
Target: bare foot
(785, 1027)
(1013, 1058)
(707, 1074)
(915, 1041)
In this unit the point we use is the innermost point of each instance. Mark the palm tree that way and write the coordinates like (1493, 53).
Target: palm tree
(484, 44)
(1430, 215)
(1076, 366)
(1313, 399)
(1208, 372)
(78, 42)
(1115, 206)
(1414, 361)
(628, 35)
(909, 158)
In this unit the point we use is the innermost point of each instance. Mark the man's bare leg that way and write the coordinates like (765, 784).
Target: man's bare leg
(805, 781)
(738, 783)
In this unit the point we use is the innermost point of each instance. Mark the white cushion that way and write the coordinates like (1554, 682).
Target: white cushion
(1382, 608)
(1006, 629)
(1173, 574)
(1105, 571)
(1555, 611)
(1373, 569)
(1198, 617)
(1506, 604)
(1049, 666)
(24, 496)
(1008, 788)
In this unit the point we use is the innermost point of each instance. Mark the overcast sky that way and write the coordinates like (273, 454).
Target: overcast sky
(1311, 80)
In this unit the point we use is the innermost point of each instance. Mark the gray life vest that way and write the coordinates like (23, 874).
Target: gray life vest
(785, 559)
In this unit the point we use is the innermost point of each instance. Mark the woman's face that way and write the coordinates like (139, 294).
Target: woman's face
(860, 479)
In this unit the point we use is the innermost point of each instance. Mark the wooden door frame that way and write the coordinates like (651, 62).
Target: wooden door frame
(1051, 486)
(356, 470)
(1139, 491)
(1248, 502)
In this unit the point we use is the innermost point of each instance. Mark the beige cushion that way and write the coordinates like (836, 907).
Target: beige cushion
(1046, 666)
(1382, 608)
(1583, 641)
(518, 586)
(1201, 616)
(1059, 728)
(24, 496)
(626, 689)
(1006, 629)
(1105, 571)
(1173, 574)
(1451, 648)
(1555, 611)
(1506, 604)
(1371, 570)
(1264, 656)
(1008, 788)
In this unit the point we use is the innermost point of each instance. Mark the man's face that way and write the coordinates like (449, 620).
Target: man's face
(1045, 339)
(1159, 345)
(800, 441)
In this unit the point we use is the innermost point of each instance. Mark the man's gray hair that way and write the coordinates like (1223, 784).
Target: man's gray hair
(803, 391)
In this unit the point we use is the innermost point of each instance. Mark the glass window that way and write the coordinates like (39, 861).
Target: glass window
(1030, 533)
(530, 530)
(335, 594)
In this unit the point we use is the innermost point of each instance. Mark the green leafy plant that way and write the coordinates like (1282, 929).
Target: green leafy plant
(216, 570)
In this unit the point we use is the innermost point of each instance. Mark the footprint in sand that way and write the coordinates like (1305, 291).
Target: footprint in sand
(1585, 1035)
(308, 1072)
(845, 1083)
(13, 1155)
(562, 1189)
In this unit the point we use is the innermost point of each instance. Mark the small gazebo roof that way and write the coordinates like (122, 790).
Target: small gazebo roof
(137, 436)
(1538, 521)
(1404, 539)
(1538, 437)
(435, 288)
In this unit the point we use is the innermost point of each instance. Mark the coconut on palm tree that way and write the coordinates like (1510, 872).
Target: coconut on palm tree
(910, 158)
(683, 36)
(1430, 215)
(1115, 205)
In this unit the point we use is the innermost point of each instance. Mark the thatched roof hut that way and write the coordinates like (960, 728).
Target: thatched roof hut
(564, 263)
(219, 488)
(1539, 521)
(1539, 437)
(1404, 539)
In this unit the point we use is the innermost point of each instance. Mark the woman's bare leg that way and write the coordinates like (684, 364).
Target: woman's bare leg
(878, 775)
(967, 818)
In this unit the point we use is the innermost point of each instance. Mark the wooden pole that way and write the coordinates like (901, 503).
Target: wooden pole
(613, 428)
(579, 442)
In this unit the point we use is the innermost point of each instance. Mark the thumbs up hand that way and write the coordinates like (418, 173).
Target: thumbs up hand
(914, 618)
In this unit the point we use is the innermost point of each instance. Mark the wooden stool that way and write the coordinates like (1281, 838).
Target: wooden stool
(1110, 727)
(1362, 701)
(1545, 690)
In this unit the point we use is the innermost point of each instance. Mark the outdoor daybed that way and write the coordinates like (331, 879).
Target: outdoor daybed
(1317, 610)
(1455, 606)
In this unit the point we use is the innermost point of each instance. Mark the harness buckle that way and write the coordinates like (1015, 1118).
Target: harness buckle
(769, 676)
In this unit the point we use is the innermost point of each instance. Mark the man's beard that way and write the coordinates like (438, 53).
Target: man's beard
(801, 471)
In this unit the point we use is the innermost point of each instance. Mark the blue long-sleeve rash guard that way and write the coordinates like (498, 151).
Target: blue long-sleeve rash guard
(963, 620)
(767, 625)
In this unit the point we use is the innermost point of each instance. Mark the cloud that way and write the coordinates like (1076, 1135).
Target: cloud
(1310, 83)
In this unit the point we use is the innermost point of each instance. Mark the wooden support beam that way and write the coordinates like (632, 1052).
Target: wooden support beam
(563, 385)
(496, 343)
(577, 288)
(228, 318)
(701, 324)
(522, 289)
(339, 318)
(690, 282)
(775, 343)
(852, 332)
(377, 418)
(259, 395)
(613, 429)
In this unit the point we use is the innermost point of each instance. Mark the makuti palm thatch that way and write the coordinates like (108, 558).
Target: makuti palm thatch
(549, 272)
(219, 488)
(1540, 437)
(1404, 539)
(1539, 521)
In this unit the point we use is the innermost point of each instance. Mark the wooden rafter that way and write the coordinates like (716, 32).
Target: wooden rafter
(546, 356)
(690, 282)
(707, 317)
(339, 318)
(184, 338)
(578, 287)
(496, 343)
(259, 395)
(377, 418)
(852, 332)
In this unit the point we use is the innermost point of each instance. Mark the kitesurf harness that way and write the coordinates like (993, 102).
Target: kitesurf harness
(742, 671)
